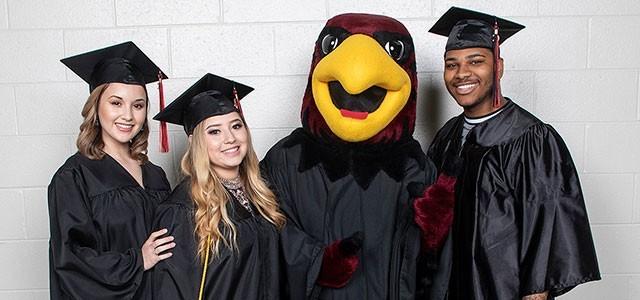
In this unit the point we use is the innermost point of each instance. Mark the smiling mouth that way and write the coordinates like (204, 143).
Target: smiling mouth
(466, 87)
(356, 106)
(124, 127)
(231, 150)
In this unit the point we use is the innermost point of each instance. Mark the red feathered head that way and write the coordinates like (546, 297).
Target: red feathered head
(362, 83)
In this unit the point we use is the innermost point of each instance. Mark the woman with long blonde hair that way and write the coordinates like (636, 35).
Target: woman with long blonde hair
(103, 198)
(224, 217)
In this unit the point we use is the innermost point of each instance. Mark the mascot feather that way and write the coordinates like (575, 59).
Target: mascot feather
(349, 179)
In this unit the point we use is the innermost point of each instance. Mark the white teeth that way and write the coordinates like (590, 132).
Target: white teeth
(124, 126)
(466, 86)
(234, 149)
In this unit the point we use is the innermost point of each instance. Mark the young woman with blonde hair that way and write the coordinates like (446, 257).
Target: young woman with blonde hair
(223, 215)
(103, 198)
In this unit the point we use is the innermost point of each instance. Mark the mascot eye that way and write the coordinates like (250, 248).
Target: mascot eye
(395, 49)
(329, 42)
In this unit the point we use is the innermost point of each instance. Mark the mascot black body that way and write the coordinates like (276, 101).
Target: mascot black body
(343, 180)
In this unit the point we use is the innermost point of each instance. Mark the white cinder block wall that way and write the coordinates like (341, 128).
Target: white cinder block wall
(576, 66)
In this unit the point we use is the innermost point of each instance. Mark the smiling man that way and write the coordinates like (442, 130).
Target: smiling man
(520, 228)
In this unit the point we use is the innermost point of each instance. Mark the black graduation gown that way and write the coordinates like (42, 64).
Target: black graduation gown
(520, 225)
(99, 218)
(250, 273)
(328, 192)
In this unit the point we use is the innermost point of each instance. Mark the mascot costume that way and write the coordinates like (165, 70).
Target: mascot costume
(349, 179)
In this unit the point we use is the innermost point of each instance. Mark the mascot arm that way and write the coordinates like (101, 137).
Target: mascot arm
(309, 262)
(301, 252)
(433, 210)
(339, 261)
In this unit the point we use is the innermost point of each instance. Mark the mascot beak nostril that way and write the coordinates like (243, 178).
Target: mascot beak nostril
(367, 101)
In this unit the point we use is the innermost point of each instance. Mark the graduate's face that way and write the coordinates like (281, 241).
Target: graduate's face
(468, 75)
(226, 139)
(122, 110)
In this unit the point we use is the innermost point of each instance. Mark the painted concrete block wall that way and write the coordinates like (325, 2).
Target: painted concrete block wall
(576, 66)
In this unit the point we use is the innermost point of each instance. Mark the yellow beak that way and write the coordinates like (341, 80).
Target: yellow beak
(359, 63)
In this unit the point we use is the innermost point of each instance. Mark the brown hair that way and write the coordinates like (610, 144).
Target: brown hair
(90, 141)
(210, 197)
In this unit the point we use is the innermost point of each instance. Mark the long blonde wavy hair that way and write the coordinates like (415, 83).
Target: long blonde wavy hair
(90, 141)
(210, 197)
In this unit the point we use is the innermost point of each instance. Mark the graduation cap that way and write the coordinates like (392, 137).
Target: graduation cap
(211, 95)
(123, 63)
(471, 29)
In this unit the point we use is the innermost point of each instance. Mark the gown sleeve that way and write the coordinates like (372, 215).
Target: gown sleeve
(82, 270)
(557, 247)
(177, 277)
(302, 253)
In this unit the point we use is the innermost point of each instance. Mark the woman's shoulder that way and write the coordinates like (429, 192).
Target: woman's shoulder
(75, 161)
(73, 165)
(180, 197)
(151, 167)
(155, 177)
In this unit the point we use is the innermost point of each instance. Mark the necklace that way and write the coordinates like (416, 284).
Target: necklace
(236, 188)
(233, 183)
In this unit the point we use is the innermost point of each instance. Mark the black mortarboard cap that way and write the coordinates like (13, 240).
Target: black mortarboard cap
(123, 63)
(211, 95)
(469, 29)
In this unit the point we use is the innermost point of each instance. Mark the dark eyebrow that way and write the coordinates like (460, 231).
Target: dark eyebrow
(475, 55)
(468, 57)
(120, 98)
(218, 125)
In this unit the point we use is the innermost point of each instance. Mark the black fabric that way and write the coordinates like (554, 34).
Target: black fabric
(321, 209)
(251, 272)
(470, 34)
(520, 225)
(99, 218)
(116, 69)
(362, 161)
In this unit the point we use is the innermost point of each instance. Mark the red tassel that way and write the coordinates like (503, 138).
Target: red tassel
(236, 101)
(164, 135)
(496, 56)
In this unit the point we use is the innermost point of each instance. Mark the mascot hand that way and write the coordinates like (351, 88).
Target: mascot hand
(433, 210)
(340, 261)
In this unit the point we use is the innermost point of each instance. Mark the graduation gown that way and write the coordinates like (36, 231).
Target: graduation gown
(250, 273)
(520, 225)
(330, 191)
(99, 218)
